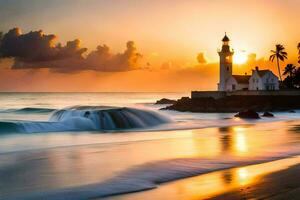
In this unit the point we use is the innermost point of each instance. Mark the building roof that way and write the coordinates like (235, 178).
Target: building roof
(225, 38)
(242, 79)
(261, 73)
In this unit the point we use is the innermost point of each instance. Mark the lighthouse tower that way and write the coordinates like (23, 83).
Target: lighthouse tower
(225, 63)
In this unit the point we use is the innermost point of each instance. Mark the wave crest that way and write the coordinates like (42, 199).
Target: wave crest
(28, 110)
(89, 118)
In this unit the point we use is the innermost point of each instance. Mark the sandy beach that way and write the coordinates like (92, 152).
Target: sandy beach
(284, 184)
(273, 180)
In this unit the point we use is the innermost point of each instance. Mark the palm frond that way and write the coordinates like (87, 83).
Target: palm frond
(285, 56)
(280, 57)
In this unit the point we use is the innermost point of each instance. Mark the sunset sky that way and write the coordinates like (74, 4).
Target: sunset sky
(166, 35)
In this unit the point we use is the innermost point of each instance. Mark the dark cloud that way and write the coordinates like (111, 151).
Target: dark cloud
(36, 46)
(38, 50)
(201, 58)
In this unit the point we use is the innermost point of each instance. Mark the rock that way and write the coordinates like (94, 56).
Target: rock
(267, 114)
(248, 114)
(232, 104)
(165, 101)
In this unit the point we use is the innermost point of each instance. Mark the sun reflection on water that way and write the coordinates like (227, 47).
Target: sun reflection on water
(240, 140)
(242, 176)
(241, 144)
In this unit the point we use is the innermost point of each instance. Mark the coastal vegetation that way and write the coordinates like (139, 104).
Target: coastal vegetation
(292, 74)
(280, 54)
(292, 80)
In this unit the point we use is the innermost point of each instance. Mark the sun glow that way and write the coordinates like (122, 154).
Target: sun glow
(240, 57)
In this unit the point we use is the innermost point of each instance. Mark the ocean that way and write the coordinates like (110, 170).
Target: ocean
(90, 145)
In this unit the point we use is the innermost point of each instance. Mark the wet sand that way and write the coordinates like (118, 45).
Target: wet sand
(281, 185)
(273, 180)
(57, 168)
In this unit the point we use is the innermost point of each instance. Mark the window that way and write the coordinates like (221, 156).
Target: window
(227, 68)
(227, 58)
(233, 86)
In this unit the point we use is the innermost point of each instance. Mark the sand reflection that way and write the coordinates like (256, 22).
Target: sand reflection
(234, 140)
(210, 185)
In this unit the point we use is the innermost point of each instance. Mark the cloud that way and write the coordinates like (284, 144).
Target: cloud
(173, 80)
(201, 58)
(38, 50)
(168, 65)
(102, 60)
(36, 46)
(253, 61)
(251, 58)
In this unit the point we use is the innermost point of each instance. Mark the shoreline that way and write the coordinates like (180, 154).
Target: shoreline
(269, 186)
(190, 152)
(256, 181)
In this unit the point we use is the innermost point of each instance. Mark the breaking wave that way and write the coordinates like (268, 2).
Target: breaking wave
(87, 118)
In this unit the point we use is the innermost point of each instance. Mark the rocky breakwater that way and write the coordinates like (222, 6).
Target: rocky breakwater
(236, 104)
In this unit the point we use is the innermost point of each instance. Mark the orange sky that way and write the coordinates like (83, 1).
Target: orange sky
(172, 32)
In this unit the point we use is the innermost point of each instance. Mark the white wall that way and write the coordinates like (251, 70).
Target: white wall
(268, 82)
(255, 82)
(225, 69)
(231, 81)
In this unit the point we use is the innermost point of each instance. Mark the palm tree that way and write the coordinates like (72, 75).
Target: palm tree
(289, 69)
(279, 54)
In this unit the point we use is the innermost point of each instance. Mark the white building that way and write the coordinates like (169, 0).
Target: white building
(225, 63)
(259, 80)
(263, 80)
(237, 82)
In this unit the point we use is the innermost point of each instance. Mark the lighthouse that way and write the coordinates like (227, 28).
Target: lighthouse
(225, 63)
